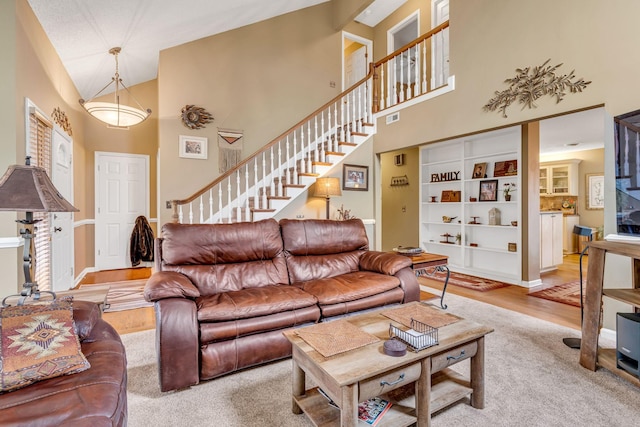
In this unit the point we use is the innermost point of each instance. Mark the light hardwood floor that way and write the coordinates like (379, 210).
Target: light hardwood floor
(513, 298)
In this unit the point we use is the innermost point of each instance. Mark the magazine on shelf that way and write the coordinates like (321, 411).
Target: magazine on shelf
(371, 411)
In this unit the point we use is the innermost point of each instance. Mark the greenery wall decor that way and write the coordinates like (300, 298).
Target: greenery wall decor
(532, 83)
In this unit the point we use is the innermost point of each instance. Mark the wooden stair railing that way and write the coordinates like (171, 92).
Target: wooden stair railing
(265, 181)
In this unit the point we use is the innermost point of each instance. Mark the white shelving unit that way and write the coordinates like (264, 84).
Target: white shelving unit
(491, 251)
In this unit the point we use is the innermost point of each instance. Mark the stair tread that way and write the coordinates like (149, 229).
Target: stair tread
(367, 124)
(308, 174)
(359, 133)
(278, 198)
(350, 144)
(322, 164)
(263, 210)
(294, 185)
(334, 153)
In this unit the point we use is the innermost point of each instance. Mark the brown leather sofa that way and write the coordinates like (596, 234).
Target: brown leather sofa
(96, 397)
(224, 293)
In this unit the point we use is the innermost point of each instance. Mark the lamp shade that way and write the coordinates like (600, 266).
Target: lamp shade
(25, 188)
(116, 114)
(327, 187)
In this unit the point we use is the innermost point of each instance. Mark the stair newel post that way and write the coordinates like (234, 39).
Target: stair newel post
(424, 66)
(336, 132)
(238, 211)
(288, 165)
(309, 148)
(210, 203)
(229, 208)
(264, 181)
(280, 172)
(271, 173)
(220, 202)
(295, 159)
(247, 212)
(201, 209)
(303, 161)
(256, 194)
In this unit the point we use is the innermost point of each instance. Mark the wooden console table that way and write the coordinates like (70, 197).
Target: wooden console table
(590, 356)
(425, 261)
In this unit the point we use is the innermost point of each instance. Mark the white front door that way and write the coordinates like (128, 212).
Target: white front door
(122, 194)
(62, 259)
(440, 51)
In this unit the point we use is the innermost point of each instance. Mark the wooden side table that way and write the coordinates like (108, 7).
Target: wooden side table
(426, 261)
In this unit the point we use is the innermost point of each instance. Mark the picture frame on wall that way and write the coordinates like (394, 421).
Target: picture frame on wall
(488, 190)
(595, 191)
(355, 178)
(193, 147)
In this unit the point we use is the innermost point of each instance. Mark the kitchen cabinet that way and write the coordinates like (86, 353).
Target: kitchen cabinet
(559, 178)
(550, 240)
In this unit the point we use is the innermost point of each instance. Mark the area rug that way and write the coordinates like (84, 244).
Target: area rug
(531, 379)
(470, 282)
(125, 295)
(567, 293)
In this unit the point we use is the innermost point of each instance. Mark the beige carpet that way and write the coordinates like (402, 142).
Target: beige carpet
(532, 379)
(125, 295)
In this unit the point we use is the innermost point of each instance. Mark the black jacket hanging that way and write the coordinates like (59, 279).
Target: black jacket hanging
(141, 244)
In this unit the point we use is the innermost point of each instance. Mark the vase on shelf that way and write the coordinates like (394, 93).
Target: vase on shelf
(507, 197)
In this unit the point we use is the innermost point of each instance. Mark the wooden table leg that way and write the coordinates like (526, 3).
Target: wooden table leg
(349, 407)
(477, 376)
(423, 394)
(298, 380)
(592, 309)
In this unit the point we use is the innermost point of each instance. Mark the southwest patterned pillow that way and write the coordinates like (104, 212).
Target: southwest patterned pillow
(38, 341)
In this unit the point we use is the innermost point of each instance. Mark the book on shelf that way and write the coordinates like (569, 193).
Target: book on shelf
(370, 411)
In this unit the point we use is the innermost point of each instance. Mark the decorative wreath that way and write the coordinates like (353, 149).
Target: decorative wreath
(195, 117)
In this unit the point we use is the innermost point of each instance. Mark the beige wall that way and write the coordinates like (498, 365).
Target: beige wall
(401, 207)
(261, 78)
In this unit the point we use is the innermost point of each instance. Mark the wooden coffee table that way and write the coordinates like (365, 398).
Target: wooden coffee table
(357, 375)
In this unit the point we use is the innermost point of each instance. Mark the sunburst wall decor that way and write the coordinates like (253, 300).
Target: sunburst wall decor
(195, 117)
(532, 83)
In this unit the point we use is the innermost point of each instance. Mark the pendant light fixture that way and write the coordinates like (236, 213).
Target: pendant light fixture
(115, 114)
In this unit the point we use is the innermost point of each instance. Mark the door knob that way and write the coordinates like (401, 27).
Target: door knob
(56, 229)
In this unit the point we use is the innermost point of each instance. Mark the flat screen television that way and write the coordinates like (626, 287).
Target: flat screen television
(627, 169)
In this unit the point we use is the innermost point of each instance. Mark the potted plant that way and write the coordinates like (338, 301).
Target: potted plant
(507, 189)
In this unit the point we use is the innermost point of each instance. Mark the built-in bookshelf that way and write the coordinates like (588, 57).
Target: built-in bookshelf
(462, 194)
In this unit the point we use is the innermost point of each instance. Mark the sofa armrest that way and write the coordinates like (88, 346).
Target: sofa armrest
(177, 343)
(169, 284)
(383, 262)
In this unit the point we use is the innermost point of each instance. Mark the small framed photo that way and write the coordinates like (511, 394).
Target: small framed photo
(450, 196)
(488, 190)
(355, 178)
(595, 191)
(479, 170)
(506, 168)
(193, 147)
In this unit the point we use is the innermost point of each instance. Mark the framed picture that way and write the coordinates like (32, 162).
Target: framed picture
(355, 177)
(488, 190)
(450, 196)
(506, 168)
(595, 191)
(479, 170)
(193, 147)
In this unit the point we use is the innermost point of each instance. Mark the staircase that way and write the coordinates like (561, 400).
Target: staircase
(265, 182)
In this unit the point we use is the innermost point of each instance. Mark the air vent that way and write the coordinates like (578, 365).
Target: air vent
(393, 117)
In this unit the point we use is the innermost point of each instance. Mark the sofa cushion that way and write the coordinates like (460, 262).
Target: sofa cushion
(38, 341)
(252, 302)
(225, 257)
(349, 287)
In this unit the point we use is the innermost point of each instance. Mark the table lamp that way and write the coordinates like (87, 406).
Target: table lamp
(327, 187)
(28, 189)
